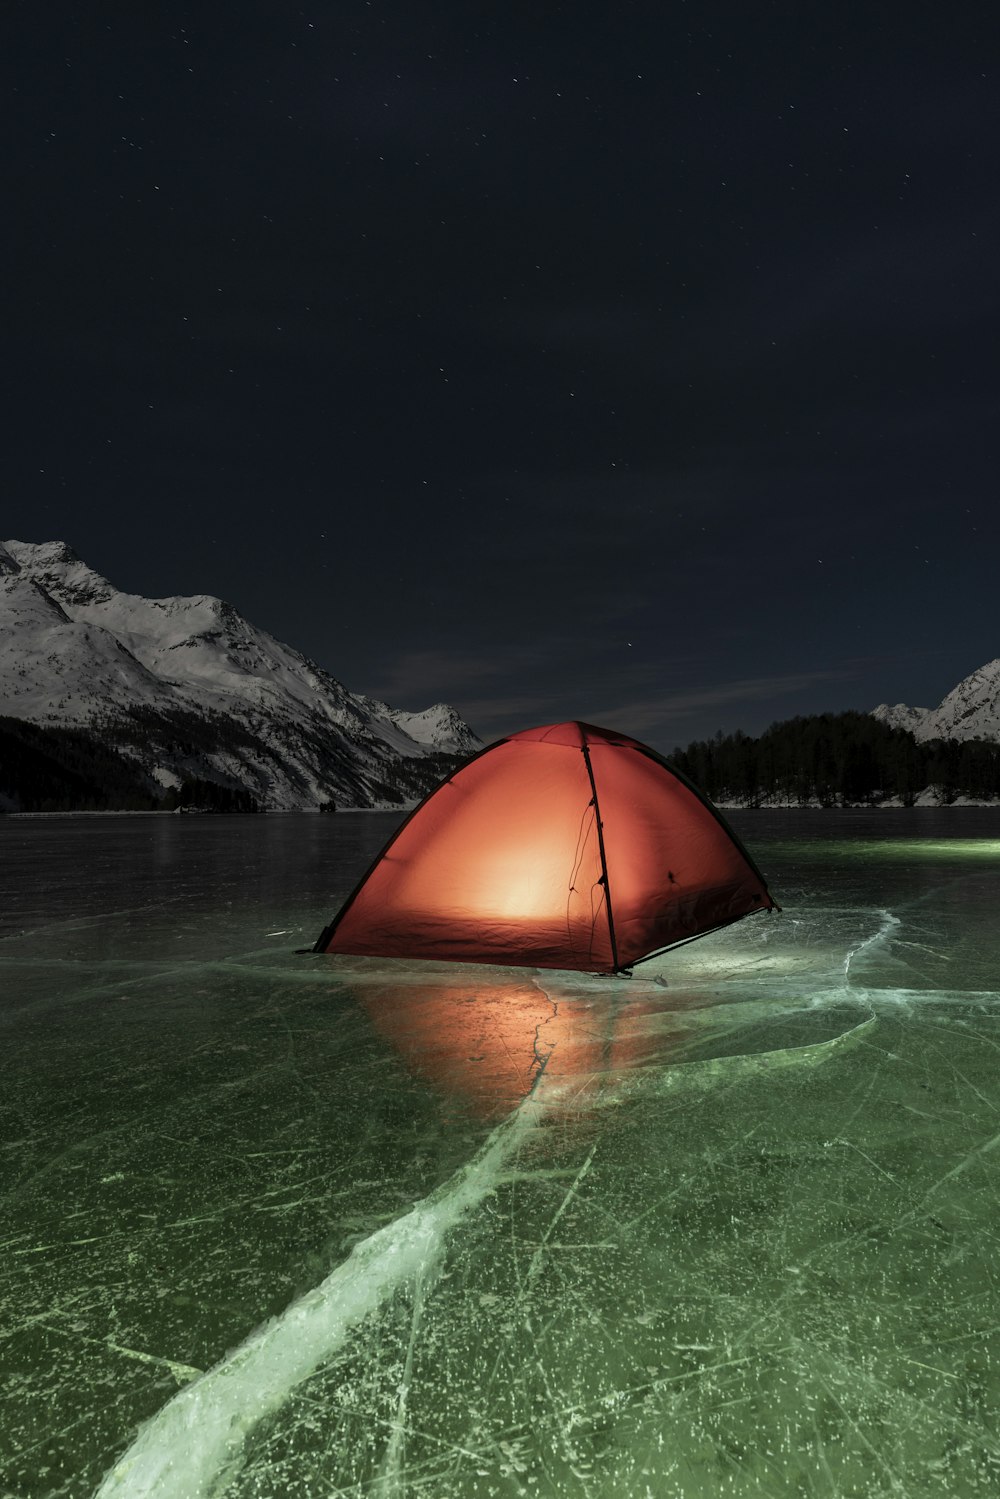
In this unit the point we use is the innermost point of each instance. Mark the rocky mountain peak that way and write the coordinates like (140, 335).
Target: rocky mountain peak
(58, 569)
(439, 727)
(969, 711)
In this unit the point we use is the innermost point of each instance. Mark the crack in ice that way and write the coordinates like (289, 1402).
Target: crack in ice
(889, 924)
(193, 1446)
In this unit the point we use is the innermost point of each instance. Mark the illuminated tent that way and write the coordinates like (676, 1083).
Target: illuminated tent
(561, 847)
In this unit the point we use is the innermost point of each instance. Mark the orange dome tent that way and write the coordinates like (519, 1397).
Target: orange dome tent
(566, 846)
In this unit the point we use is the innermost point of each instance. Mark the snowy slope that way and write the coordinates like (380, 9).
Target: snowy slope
(57, 669)
(899, 716)
(191, 687)
(439, 728)
(970, 711)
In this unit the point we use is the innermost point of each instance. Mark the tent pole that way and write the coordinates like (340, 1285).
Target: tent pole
(604, 862)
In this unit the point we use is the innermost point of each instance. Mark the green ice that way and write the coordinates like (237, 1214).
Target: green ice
(276, 1225)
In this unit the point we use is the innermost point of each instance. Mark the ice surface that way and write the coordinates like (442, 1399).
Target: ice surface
(279, 1225)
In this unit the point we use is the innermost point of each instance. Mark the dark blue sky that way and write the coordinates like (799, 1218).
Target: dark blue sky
(633, 363)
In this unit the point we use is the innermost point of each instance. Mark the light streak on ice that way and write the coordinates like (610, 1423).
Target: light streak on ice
(192, 1445)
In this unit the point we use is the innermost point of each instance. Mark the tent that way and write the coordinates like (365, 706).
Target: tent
(567, 846)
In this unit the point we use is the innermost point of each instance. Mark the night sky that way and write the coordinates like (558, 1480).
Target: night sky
(632, 363)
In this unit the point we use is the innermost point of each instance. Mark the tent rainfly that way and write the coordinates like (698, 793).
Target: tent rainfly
(567, 846)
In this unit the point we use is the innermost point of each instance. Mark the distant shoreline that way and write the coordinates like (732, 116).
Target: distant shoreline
(961, 804)
(212, 816)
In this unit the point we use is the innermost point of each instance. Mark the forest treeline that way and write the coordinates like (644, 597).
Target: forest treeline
(838, 759)
(45, 769)
(833, 759)
(69, 770)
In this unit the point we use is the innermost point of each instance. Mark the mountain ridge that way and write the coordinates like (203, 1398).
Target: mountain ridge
(188, 687)
(971, 710)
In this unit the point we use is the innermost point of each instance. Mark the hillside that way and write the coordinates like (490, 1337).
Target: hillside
(969, 711)
(187, 689)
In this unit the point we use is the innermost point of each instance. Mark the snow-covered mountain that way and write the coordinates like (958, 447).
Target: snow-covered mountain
(188, 687)
(970, 711)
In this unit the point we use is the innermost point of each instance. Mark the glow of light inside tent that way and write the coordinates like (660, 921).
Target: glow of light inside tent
(520, 885)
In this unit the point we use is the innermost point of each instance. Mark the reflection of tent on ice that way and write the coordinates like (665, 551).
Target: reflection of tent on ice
(561, 847)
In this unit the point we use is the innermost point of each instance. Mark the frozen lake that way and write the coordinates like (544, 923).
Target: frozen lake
(326, 1227)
